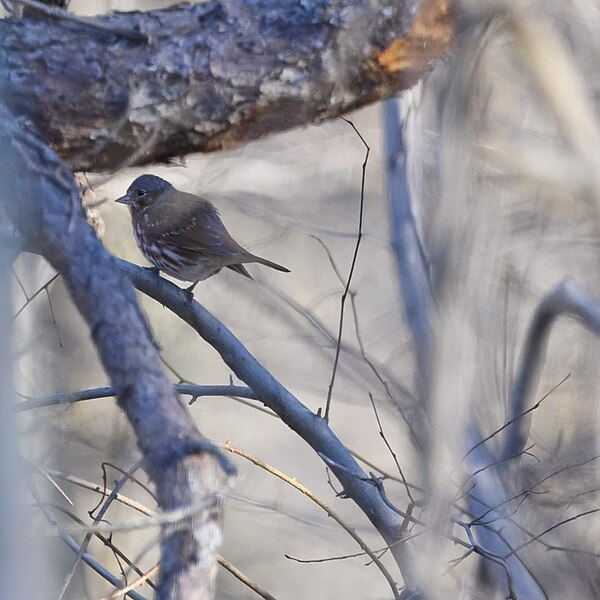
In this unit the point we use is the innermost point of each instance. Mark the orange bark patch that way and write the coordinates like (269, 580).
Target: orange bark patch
(427, 40)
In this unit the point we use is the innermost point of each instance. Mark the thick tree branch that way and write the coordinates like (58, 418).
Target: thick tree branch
(143, 87)
(40, 196)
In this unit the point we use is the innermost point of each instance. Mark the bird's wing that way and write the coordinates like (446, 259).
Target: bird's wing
(193, 223)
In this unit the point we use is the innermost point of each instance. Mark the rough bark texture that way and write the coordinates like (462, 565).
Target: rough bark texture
(143, 87)
(40, 196)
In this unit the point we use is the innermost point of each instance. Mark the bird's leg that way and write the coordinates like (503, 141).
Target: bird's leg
(154, 270)
(190, 290)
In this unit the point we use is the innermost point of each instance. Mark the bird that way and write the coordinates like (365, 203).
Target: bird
(182, 234)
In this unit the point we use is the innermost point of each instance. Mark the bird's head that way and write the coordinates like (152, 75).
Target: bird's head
(145, 190)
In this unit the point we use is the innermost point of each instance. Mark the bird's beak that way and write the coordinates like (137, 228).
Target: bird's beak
(124, 199)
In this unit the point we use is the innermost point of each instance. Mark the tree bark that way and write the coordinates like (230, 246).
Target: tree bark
(137, 87)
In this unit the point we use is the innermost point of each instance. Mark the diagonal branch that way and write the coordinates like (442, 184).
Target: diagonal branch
(312, 428)
(41, 198)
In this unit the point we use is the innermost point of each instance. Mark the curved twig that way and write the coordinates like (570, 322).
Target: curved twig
(566, 298)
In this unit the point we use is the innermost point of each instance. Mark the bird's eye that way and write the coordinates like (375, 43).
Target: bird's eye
(140, 193)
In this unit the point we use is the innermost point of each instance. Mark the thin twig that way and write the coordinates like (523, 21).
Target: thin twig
(131, 477)
(352, 266)
(37, 293)
(370, 363)
(119, 555)
(531, 489)
(87, 558)
(490, 556)
(60, 343)
(495, 462)
(95, 487)
(508, 423)
(19, 282)
(88, 538)
(552, 528)
(289, 480)
(380, 552)
(244, 579)
(389, 447)
(51, 480)
(108, 392)
(169, 517)
(137, 583)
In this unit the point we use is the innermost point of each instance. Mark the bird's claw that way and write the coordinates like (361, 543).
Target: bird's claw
(189, 291)
(154, 270)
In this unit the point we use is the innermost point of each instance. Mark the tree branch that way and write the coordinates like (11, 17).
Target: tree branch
(411, 264)
(185, 389)
(146, 86)
(312, 428)
(566, 298)
(41, 198)
(499, 535)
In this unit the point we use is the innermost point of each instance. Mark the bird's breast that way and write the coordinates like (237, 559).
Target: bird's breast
(178, 262)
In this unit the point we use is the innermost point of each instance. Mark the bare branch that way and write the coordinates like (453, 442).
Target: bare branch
(40, 196)
(95, 487)
(291, 481)
(119, 555)
(106, 505)
(185, 389)
(244, 579)
(501, 535)
(514, 419)
(87, 558)
(133, 504)
(411, 265)
(566, 298)
(391, 450)
(140, 581)
(361, 207)
(309, 426)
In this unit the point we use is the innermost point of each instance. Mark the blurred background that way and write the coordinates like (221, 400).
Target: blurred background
(503, 170)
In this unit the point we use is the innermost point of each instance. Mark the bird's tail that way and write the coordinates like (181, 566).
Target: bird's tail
(269, 263)
(241, 269)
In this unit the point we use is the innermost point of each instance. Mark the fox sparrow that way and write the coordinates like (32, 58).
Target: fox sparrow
(182, 234)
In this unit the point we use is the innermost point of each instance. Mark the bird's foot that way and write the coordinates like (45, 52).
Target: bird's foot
(154, 270)
(189, 291)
